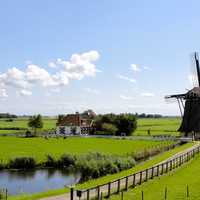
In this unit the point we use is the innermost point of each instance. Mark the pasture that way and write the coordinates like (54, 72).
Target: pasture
(39, 148)
(176, 183)
(160, 126)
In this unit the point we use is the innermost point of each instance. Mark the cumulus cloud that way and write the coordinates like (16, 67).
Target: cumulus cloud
(124, 97)
(24, 93)
(78, 67)
(147, 94)
(92, 91)
(126, 78)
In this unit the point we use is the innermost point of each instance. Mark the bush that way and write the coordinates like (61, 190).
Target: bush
(50, 162)
(95, 165)
(66, 160)
(22, 163)
(116, 124)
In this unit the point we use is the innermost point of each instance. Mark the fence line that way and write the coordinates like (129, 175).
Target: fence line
(3, 194)
(122, 184)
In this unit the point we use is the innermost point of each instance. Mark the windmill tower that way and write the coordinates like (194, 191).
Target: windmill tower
(189, 105)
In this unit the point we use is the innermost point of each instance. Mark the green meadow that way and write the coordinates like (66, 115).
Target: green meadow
(160, 126)
(176, 183)
(39, 148)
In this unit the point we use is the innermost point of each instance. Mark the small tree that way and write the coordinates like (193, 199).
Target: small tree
(35, 122)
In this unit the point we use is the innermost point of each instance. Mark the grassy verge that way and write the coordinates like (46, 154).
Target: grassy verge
(176, 183)
(107, 178)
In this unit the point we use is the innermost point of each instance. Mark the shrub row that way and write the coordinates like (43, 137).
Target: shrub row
(12, 128)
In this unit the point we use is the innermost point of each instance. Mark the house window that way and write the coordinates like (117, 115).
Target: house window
(62, 130)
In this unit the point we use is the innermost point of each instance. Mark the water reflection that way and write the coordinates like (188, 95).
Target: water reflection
(36, 181)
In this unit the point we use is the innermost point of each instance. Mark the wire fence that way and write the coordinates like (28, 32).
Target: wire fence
(165, 193)
(122, 184)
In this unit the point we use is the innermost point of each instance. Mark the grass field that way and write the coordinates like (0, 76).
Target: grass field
(167, 126)
(160, 126)
(176, 183)
(38, 148)
(22, 123)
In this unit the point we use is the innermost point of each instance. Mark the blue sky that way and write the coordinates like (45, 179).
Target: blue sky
(128, 55)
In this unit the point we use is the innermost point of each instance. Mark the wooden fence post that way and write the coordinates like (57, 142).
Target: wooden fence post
(152, 172)
(118, 186)
(166, 166)
(146, 179)
(109, 189)
(122, 195)
(142, 195)
(71, 193)
(170, 165)
(162, 168)
(88, 194)
(98, 192)
(101, 196)
(126, 186)
(140, 177)
(133, 180)
(165, 193)
(157, 170)
(188, 194)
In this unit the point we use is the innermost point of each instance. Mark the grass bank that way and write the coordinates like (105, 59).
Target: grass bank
(176, 183)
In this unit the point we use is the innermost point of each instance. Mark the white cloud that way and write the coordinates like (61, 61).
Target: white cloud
(124, 97)
(78, 67)
(3, 93)
(24, 93)
(135, 68)
(126, 78)
(92, 91)
(147, 94)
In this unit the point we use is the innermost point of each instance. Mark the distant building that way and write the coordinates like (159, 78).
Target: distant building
(74, 124)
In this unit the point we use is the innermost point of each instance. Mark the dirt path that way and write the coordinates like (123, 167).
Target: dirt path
(123, 182)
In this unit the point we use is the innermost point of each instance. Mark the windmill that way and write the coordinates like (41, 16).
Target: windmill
(189, 105)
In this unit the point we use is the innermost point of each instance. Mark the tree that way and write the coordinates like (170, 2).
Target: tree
(110, 129)
(35, 122)
(126, 123)
(60, 118)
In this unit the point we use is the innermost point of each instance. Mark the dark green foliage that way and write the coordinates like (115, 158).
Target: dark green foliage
(111, 129)
(22, 163)
(66, 160)
(50, 162)
(7, 115)
(112, 124)
(60, 118)
(35, 122)
(126, 123)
